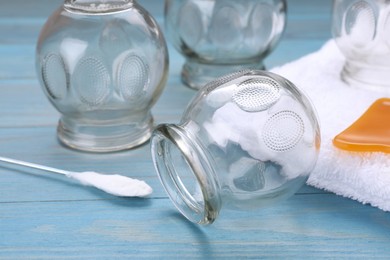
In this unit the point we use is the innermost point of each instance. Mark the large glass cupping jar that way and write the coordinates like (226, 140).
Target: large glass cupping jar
(218, 37)
(246, 140)
(361, 29)
(102, 64)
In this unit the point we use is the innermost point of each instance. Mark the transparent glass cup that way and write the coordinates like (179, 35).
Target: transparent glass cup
(361, 29)
(218, 37)
(246, 140)
(102, 64)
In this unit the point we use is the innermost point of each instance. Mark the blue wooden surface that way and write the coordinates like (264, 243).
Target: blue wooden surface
(47, 217)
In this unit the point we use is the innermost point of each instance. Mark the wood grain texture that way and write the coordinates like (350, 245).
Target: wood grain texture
(315, 226)
(45, 216)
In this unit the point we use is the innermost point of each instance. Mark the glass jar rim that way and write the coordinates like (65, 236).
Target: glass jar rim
(202, 208)
(98, 6)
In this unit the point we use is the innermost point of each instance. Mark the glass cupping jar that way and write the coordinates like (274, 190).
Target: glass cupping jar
(102, 64)
(246, 140)
(361, 29)
(217, 37)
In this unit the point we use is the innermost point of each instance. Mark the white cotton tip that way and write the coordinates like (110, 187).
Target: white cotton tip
(115, 184)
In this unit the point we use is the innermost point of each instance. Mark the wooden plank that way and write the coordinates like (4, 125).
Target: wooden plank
(24, 104)
(127, 228)
(39, 145)
(305, 26)
(18, 61)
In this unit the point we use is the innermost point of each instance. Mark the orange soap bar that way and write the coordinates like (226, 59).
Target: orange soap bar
(370, 133)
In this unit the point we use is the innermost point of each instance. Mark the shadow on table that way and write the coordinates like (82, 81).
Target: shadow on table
(196, 231)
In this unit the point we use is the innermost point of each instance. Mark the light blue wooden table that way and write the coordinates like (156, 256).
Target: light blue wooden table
(49, 217)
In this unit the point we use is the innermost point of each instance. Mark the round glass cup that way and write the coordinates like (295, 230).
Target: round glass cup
(103, 65)
(247, 140)
(361, 31)
(220, 37)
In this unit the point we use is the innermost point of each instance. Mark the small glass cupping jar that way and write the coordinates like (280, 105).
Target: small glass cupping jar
(361, 30)
(246, 140)
(102, 64)
(220, 37)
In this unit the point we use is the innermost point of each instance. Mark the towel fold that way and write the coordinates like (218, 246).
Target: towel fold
(364, 177)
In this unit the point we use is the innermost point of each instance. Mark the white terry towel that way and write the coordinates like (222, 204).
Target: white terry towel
(364, 177)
